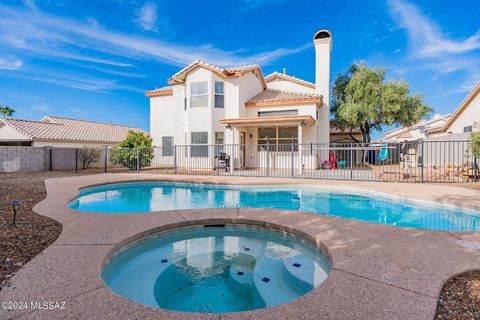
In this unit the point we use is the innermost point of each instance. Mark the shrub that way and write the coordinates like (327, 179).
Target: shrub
(125, 154)
(474, 140)
(88, 156)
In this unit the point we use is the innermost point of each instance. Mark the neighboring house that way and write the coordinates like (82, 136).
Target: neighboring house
(61, 132)
(206, 104)
(464, 120)
(419, 131)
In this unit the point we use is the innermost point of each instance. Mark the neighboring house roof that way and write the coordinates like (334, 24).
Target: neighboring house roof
(276, 75)
(273, 97)
(461, 108)
(52, 128)
(429, 125)
(181, 75)
(164, 91)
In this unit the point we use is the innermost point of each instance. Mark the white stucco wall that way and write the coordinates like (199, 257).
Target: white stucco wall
(280, 84)
(468, 117)
(162, 118)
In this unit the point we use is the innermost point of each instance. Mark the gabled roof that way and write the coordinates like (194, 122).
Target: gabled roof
(430, 125)
(164, 91)
(181, 75)
(52, 128)
(461, 108)
(273, 97)
(277, 75)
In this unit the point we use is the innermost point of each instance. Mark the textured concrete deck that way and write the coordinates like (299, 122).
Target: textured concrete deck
(379, 272)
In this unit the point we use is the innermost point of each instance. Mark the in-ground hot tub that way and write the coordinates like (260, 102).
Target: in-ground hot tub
(216, 269)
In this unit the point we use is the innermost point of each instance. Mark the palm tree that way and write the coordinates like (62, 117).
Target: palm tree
(7, 111)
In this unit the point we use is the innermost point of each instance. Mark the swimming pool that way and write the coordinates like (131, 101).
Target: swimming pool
(124, 198)
(216, 269)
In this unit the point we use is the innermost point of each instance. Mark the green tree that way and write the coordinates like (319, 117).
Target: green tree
(362, 98)
(136, 145)
(7, 111)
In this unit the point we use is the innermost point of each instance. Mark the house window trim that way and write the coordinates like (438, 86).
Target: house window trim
(197, 95)
(198, 150)
(167, 151)
(215, 94)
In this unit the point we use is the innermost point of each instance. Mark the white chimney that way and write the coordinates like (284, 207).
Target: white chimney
(323, 45)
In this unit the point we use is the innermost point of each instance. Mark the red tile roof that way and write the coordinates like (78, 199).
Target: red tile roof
(282, 97)
(67, 129)
(165, 91)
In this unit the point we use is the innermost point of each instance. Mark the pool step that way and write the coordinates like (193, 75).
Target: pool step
(273, 284)
(303, 272)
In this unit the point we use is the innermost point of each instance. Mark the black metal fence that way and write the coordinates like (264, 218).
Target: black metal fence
(419, 161)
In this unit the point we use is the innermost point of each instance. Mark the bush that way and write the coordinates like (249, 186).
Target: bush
(125, 154)
(475, 144)
(88, 156)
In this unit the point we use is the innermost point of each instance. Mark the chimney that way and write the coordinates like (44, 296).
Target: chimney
(323, 45)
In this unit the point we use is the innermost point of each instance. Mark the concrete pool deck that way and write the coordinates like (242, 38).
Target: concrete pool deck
(378, 272)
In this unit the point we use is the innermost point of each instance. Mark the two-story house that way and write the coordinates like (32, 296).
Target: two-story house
(206, 105)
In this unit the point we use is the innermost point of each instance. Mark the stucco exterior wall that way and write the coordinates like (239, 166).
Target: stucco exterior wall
(468, 117)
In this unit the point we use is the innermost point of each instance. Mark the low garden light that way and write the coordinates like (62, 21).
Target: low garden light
(15, 205)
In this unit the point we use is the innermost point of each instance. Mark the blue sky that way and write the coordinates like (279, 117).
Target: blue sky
(94, 59)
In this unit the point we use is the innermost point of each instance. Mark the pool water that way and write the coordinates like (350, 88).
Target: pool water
(162, 196)
(216, 269)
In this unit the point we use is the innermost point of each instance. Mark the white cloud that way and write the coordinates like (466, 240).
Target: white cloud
(432, 53)
(426, 38)
(31, 4)
(10, 63)
(40, 107)
(147, 17)
(57, 37)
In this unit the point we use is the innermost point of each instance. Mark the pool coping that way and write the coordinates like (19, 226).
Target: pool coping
(377, 272)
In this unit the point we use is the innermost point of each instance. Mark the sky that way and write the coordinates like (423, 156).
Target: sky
(95, 59)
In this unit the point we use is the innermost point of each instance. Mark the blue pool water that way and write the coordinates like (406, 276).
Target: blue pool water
(216, 269)
(161, 196)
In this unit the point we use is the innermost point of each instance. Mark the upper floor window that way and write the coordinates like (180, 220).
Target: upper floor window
(219, 95)
(468, 129)
(199, 94)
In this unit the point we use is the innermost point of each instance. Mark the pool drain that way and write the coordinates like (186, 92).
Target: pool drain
(204, 308)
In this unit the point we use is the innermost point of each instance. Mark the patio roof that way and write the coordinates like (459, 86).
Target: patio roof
(278, 120)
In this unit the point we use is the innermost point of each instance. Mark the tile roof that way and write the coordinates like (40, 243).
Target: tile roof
(67, 129)
(281, 97)
(164, 91)
(275, 75)
(180, 76)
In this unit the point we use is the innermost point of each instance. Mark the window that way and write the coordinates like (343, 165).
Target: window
(219, 95)
(278, 113)
(199, 94)
(167, 146)
(196, 139)
(468, 129)
(185, 104)
(278, 138)
(219, 141)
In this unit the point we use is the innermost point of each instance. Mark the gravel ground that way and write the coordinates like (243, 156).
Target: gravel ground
(460, 298)
(33, 233)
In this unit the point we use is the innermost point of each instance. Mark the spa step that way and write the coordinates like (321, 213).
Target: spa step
(272, 283)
